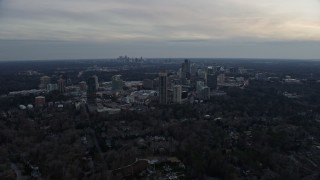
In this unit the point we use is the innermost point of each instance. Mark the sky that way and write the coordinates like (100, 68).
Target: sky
(82, 29)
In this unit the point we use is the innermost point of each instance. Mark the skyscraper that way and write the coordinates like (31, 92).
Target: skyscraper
(92, 89)
(199, 86)
(206, 93)
(187, 66)
(44, 81)
(221, 78)
(177, 92)
(117, 82)
(212, 81)
(52, 87)
(61, 85)
(210, 70)
(185, 69)
(202, 74)
(83, 86)
(96, 81)
(163, 88)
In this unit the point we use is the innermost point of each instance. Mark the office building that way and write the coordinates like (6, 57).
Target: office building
(210, 70)
(193, 69)
(187, 66)
(96, 81)
(179, 73)
(185, 69)
(44, 81)
(40, 101)
(205, 93)
(199, 86)
(117, 83)
(156, 83)
(52, 87)
(221, 78)
(83, 86)
(92, 89)
(202, 74)
(212, 81)
(177, 92)
(148, 84)
(62, 85)
(163, 88)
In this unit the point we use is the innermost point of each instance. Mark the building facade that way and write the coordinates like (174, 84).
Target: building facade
(92, 89)
(163, 88)
(212, 81)
(62, 85)
(117, 83)
(83, 86)
(44, 81)
(40, 101)
(177, 92)
(148, 84)
(52, 87)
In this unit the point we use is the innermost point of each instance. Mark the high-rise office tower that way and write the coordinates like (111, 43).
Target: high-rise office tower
(44, 81)
(185, 69)
(221, 78)
(96, 81)
(210, 70)
(199, 86)
(92, 89)
(183, 74)
(83, 86)
(117, 82)
(188, 74)
(202, 74)
(52, 87)
(177, 92)
(62, 85)
(163, 88)
(206, 93)
(193, 69)
(212, 81)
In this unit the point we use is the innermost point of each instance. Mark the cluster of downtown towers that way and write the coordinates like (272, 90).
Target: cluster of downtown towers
(188, 79)
(173, 88)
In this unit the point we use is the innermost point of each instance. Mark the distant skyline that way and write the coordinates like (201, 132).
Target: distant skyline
(81, 29)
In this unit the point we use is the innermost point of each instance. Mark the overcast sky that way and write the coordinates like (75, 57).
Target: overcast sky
(70, 29)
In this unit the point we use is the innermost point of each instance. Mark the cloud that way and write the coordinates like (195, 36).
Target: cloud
(111, 20)
(164, 22)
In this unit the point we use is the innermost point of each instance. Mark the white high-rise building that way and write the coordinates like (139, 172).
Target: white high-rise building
(177, 92)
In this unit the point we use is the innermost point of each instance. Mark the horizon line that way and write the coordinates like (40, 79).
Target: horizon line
(162, 58)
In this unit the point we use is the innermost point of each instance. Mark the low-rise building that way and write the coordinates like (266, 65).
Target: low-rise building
(40, 101)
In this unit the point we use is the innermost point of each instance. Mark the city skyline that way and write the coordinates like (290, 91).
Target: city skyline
(203, 29)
